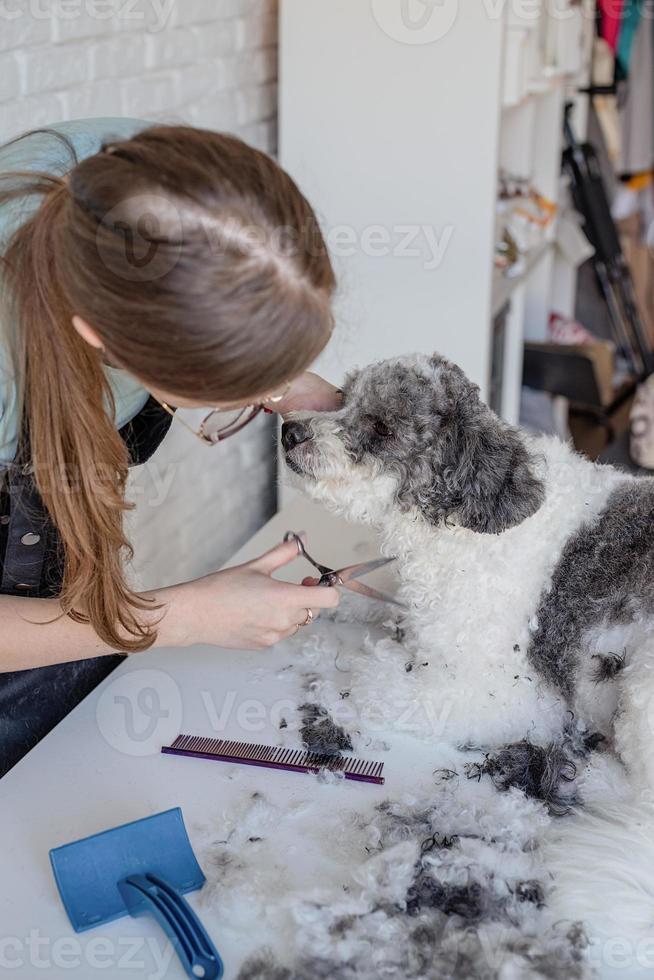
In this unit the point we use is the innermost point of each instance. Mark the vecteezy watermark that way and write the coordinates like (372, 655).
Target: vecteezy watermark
(422, 242)
(427, 21)
(253, 717)
(415, 21)
(151, 15)
(143, 237)
(41, 953)
(140, 711)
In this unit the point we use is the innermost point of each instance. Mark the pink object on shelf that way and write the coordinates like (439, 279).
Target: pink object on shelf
(563, 330)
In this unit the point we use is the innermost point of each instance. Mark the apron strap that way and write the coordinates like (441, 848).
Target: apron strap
(26, 536)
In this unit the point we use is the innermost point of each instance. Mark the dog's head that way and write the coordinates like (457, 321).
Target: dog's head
(413, 435)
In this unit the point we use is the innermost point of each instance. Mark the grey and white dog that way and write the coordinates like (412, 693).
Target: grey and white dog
(528, 571)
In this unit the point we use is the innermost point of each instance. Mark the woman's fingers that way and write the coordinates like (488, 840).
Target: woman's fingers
(311, 597)
(277, 557)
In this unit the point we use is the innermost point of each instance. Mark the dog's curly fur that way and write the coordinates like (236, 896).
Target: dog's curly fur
(521, 562)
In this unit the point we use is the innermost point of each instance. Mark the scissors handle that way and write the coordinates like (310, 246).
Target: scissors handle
(323, 569)
(345, 577)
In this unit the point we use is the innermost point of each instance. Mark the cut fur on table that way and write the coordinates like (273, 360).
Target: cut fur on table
(447, 887)
(449, 877)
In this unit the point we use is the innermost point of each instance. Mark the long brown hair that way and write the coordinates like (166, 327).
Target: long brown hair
(203, 270)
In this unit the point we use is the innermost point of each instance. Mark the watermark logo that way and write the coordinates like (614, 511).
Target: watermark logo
(149, 957)
(140, 711)
(150, 15)
(415, 21)
(140, 238)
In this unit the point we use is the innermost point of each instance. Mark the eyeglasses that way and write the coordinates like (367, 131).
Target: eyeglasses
(221, 423)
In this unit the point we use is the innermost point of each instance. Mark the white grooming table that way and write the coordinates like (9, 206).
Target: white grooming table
(101, 767)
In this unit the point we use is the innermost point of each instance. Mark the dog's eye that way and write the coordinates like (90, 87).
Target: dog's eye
(381, 429)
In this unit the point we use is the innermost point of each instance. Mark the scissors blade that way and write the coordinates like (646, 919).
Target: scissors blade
(362, 589)
(363, 568)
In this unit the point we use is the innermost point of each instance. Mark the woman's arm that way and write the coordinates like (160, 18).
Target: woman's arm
(35, 634)
(241, 608)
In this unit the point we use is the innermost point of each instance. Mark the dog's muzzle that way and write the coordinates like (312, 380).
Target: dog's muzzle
(294, 434)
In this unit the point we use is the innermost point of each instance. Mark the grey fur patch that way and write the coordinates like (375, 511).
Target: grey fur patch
(531, 891)
(320, 734)
(608, 666)
(543, 773)
(605, 577)
(431, 952)
(263, 967)
(471, 901)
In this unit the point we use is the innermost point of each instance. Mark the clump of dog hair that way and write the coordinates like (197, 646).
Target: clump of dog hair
(320, 734)
(608, 666)
(530, 891)
(429, 950)
(470, 901)
(580, 741)
(544, 773)
(263, 967)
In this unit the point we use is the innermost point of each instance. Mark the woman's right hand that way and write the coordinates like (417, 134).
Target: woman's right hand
(242, 608)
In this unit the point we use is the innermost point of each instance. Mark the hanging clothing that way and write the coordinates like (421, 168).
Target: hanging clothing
(611, 11)
(632, 18)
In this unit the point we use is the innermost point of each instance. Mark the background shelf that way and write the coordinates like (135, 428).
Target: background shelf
(416, 141)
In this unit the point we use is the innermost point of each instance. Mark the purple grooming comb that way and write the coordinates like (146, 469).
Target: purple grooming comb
(272, 757)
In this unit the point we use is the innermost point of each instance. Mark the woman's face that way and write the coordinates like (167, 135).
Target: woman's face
(178, 402)
(87, 332)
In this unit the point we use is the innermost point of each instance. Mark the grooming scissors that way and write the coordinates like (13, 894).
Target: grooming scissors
(346, 577)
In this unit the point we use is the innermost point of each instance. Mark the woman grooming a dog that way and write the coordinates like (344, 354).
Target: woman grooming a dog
(144, 269)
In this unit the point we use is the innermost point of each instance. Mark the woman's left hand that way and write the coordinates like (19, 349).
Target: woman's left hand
(309, 393)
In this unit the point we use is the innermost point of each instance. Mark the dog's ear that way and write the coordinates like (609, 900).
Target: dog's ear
(492, 475)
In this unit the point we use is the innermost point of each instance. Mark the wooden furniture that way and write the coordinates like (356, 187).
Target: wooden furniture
(598, 403)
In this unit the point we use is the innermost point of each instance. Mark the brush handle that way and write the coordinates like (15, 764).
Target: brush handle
(149, 894)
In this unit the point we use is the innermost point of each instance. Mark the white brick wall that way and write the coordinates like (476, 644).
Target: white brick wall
(211, 63)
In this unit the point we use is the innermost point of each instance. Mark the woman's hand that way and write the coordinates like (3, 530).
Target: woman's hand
(243, 608)
(309, 393)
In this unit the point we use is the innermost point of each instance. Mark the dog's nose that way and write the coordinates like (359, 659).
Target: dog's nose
(294, 433)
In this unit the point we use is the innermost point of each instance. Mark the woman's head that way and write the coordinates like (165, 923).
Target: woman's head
(200, 268)
(198, 263)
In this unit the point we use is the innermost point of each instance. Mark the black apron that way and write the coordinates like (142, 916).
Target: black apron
(33, 701)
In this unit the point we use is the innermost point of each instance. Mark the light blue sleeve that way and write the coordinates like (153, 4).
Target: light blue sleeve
(45, 151)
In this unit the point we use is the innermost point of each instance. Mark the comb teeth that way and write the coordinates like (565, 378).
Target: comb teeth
(274, 757)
